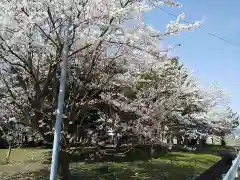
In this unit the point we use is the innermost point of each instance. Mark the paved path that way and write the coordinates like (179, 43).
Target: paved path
(221, 167)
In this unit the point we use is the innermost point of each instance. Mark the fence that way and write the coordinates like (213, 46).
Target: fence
(232, 174)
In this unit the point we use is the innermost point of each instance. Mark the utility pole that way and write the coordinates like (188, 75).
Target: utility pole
(63, 77)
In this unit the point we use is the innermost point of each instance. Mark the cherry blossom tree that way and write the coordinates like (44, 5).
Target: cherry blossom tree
(110, 45)
(221, 120)
(173, 100)
(166, 97)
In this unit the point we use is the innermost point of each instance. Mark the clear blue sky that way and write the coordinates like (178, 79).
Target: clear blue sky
(210, 58)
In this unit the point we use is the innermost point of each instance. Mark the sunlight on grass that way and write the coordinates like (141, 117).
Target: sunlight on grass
(173, 166)
(23, 155)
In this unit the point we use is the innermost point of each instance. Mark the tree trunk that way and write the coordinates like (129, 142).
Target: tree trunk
(64, 168)
(151, 152)
(9, 152)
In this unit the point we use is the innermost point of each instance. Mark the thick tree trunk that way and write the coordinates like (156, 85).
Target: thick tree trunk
(64, 165)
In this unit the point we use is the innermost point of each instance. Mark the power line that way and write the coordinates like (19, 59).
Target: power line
(211, 34)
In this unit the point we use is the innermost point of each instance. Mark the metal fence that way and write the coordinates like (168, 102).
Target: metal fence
(232, 174)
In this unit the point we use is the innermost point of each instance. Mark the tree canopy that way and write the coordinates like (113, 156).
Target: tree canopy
(121, 82)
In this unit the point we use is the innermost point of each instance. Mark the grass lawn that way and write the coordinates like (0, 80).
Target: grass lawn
(24, 164)
(174, 166)
(30, 164)
(23, 155)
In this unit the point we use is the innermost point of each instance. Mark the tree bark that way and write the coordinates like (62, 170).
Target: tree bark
(9, 152)
(151, 152)
(64, 165)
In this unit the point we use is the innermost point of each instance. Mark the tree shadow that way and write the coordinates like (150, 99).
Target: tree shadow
(119, 171)
(130, 166)
(188, 158)
(216, 149)
(159, 169)
(139, 153)
(47, 157)
(141, 170)
(31, 175)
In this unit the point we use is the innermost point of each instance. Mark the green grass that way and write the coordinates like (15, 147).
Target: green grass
(26, 164)
(23, 155)
(176, 166)
(215, 149)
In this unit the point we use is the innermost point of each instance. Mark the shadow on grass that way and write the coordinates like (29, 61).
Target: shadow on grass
(216, 149)
(170, 166)
(117, 171)
(136, 154)
(134, 171)
(35, 175)
(139, 155)
(191, 158)
(113, 171)
(48, 157)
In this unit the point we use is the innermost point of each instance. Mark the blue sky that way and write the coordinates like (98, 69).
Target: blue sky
(210, 58)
